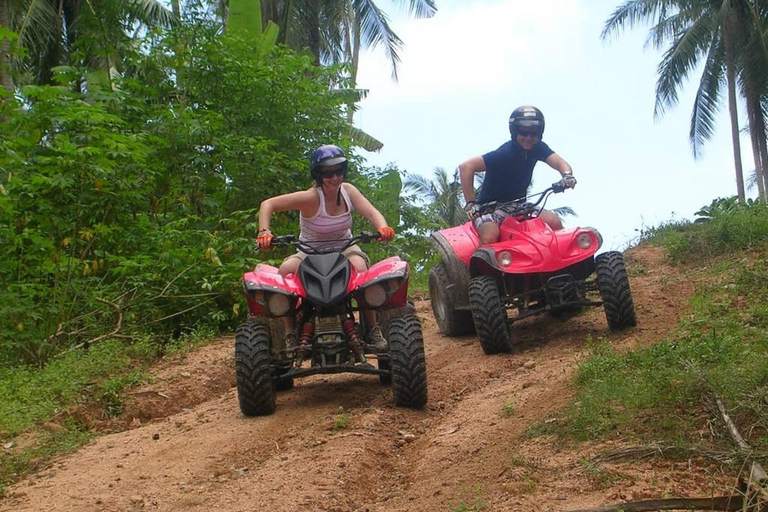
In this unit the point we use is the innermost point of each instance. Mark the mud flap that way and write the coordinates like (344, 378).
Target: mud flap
(457, 271)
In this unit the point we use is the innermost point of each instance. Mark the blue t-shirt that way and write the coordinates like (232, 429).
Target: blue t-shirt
(508, 171)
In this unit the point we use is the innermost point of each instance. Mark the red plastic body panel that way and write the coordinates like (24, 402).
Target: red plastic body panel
(392, 266)
(265, 277)
(535, 247)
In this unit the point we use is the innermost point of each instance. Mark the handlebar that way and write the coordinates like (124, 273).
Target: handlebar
(520, 207)
(309, 248)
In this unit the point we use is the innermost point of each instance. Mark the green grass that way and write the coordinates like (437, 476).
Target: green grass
(665, 392)
(341, 422)
(507, 409)
(40, 405)
(726, 228)
(473, 502)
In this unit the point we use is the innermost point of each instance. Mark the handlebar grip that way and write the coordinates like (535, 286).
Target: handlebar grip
(280, 241)
(558, 188)
(367, 236)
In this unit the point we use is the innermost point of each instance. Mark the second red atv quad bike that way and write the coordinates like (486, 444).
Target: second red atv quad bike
(532, 269)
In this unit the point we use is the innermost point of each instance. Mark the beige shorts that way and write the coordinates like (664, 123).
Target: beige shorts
(349, 251)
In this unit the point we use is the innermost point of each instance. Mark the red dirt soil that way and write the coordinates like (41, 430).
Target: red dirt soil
(186, 446)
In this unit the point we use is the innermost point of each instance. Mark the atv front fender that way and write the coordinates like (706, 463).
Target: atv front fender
(484, 262)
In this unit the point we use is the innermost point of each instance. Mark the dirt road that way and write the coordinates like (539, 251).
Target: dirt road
(337, 444)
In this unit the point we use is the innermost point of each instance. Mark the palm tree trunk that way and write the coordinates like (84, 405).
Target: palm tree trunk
(762, 186)
(756, 132)
(6, 79)
(733, 110)
(354, 58)
(349, 23)
(313, 37)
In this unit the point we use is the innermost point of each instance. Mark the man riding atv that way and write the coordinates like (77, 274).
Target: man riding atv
(513, 259)
(508, 172)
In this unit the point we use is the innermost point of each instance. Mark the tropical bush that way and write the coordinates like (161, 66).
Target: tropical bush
(724, 225)
(129, 208)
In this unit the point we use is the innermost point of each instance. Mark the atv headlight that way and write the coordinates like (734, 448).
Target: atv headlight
(504, 258)
(375, 295)
(598, 236)
(278, 304)
(584, 240)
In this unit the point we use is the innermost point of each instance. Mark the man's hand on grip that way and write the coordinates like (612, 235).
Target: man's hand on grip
(472, 209)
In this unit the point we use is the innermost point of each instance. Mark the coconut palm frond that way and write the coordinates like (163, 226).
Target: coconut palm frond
(375, 31)
(679, 60)
(631, 13)
(564, 211)
(707, 102)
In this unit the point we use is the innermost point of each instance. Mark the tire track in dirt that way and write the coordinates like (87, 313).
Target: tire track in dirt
(336, 443)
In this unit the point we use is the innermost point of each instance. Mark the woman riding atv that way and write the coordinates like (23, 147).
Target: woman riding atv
(326, 215)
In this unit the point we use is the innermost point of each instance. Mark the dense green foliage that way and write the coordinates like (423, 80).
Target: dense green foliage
(129, 208)
(128, 214)
(666, 393)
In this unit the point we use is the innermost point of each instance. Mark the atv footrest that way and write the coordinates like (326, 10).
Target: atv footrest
(313, 370)
(577, 303)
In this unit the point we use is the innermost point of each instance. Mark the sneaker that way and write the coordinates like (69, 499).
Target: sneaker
(377, 339)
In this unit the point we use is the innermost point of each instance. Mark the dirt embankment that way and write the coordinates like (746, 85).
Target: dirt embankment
(337, 444)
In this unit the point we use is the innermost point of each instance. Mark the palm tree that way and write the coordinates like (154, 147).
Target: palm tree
(696, 29)
(94, 33)
(442, 196)
(751, 23)
(336, 30)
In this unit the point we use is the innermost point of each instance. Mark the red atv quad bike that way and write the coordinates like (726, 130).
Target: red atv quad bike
(532, 269)
(323, 296)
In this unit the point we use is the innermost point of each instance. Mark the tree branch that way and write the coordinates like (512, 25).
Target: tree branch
(115, 330)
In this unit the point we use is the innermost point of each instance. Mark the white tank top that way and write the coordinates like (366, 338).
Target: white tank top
(322, 226)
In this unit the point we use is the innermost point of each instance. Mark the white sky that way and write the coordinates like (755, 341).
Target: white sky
(465, 70)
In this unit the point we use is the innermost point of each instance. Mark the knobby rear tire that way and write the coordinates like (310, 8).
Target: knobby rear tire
(450, 321)
(489, 315)
(613, 283)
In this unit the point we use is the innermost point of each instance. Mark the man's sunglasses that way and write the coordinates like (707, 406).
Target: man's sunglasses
(332, 174)
(523, 133)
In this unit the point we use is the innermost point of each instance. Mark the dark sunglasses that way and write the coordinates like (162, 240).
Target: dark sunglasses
(331, 174)
(528, 134)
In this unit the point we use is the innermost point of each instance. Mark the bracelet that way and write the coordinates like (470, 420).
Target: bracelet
(266, 231)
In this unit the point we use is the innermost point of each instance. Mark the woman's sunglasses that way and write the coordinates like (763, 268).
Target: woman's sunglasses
(332, 174)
